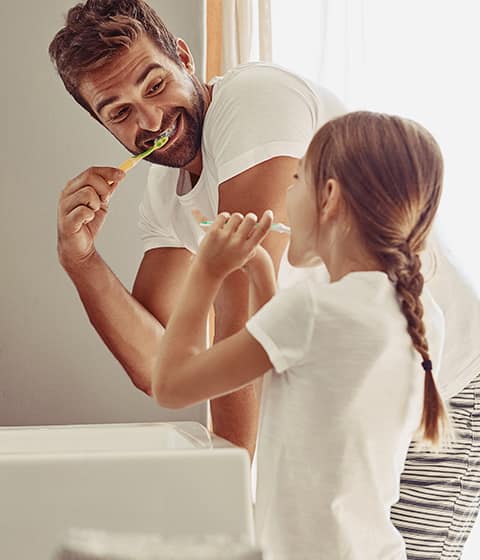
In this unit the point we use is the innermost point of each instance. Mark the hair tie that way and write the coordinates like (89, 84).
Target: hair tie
(427, 365)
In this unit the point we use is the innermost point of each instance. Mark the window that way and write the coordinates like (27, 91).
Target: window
(416, 59)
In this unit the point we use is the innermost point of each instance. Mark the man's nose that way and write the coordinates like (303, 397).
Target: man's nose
(149, 118)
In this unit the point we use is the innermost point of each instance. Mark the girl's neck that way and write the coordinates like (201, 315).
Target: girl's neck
(350, 256)
(338, 272)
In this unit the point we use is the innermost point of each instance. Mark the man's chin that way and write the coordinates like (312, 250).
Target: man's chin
(174, 160)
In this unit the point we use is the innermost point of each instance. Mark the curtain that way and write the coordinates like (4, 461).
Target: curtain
(246, 30)
(323, 40)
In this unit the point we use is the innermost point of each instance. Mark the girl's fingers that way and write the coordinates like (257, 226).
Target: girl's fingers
(261, 229)
(220, 221)
(102, 179)
(245, 228)
(233, 223)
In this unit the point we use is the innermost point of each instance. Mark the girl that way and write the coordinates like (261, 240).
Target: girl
(350, 363)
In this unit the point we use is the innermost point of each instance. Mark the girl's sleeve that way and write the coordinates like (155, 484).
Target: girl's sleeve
(284, 326)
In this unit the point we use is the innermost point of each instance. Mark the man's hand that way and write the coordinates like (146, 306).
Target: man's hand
(82, 209)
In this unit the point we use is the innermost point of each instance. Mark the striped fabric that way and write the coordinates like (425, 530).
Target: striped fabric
(440, 492)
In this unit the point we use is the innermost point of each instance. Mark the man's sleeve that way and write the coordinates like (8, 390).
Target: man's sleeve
(263, 112)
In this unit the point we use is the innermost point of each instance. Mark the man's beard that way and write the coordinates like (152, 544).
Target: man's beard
(187, 146)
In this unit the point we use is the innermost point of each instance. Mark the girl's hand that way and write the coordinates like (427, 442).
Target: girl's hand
(231, 241)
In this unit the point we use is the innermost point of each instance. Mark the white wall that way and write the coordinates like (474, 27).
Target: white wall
(53, 367)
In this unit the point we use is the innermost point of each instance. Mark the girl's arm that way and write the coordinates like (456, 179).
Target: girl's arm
(186, 372)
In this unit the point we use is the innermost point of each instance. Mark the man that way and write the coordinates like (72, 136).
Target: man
(235, 148)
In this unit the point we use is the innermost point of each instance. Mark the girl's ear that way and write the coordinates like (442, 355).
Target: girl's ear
(185, 56)
(331, 200)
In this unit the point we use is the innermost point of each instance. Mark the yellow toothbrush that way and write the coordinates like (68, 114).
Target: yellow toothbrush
(164, 137)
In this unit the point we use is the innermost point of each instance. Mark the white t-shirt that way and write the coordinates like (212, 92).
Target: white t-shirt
(258, 111)
(338, 414)
(461, 307)
(456, 298)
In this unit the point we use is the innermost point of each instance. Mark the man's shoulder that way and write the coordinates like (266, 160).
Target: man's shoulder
(254, 94)
(258, 68)
(259, 75)
(260, 91)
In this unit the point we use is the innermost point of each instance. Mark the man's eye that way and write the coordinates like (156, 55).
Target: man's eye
(120, 115)
(295, 176)
(156, 87)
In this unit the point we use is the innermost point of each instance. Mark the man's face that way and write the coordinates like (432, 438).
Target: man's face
(141, 93)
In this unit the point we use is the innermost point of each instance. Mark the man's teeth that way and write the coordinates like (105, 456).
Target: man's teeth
(166, 135)
(169, 131)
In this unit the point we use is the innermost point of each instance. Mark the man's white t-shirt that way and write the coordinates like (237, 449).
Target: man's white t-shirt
(338, 414)
(258, 111)
(460, 305)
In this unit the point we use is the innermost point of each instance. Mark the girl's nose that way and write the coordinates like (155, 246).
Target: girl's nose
(149, 118)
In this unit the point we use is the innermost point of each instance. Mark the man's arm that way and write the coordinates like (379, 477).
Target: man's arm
(235, 416)
(262, 287)
(131, 326)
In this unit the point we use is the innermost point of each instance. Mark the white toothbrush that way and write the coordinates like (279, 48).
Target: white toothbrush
(278, 227)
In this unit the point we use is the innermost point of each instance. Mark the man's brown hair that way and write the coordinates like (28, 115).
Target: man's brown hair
(97, 31)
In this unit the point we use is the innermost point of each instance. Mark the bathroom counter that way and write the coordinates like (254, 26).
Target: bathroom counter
(168, 479)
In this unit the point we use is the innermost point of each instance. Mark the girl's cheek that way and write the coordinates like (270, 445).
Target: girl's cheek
(290, 197)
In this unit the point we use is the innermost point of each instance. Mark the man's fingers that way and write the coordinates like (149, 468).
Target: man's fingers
(76, 219)
(103, 179)
(86, 196)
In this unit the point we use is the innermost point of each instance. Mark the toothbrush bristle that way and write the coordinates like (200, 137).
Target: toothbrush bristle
(164, 137)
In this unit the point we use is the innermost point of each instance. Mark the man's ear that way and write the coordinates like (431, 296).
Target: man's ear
(185, 56)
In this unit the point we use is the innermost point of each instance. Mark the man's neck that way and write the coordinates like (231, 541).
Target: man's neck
(196, 165)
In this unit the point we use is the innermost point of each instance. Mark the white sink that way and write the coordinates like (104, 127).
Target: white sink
(168, 479)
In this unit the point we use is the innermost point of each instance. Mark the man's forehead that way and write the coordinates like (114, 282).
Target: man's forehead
(130, 67)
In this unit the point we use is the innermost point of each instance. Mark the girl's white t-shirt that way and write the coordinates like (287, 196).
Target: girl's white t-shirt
(338, 414)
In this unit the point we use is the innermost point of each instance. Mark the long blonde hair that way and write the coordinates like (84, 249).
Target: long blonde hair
(390, 171)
